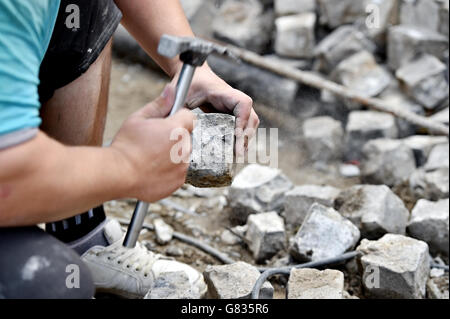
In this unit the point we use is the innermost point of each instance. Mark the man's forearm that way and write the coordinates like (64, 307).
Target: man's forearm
(43, 180)
(148, 20)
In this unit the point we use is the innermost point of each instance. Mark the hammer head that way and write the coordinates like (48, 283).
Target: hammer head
(191, 50)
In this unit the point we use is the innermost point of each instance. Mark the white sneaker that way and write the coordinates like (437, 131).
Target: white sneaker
(131, 272)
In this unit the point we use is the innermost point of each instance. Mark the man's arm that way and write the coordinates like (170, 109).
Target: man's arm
(42, 180)
(148, 20)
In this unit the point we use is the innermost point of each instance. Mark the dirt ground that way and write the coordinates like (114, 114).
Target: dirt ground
(132, 86)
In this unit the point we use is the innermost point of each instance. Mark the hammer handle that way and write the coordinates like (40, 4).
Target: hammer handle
(141, 209)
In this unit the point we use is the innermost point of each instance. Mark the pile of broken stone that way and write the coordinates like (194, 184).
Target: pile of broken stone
(402, 61)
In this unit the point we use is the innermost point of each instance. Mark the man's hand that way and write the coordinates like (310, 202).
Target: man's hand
(144, 141)
(208, 88)
(43, 180)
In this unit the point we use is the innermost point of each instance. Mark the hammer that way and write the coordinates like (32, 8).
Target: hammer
(193, 53)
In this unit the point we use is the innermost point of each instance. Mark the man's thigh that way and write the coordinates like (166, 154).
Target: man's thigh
(76, 114)
(33, 264)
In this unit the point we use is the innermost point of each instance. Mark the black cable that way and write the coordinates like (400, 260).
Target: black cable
(287, 270)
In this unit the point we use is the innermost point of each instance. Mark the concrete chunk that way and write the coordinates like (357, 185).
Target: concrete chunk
(387, 161)
(433, 185)
(266, 235)
(441, 116)
(439, 158)
(257, 189)
(211, 162)
(437, 288)
(164, 232)
(401, 266)
(336, 13)
(422, 146)
(315, 284)
(287, 7)
(406, 42)
(403, 102)
(364, 126)
(234, 281)
(420, 13)
(295, 35)
(324, 139)
(339, 45)
(324, 234)
(299, 200)
(430, 223)
(244, 24)
(376, 210)
(425, 81)
(173, 285)
(360, 72)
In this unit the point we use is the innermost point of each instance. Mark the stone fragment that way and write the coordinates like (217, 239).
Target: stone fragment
(299, 200)
(364, 126)
(228, 238)
(164, 232)
(211, 162)
(324, 234)
(430, 223)
(441, 116)
(349, 170)
(339, 45)
(437, 288)
(266, 235)
(405, 43)
(174, 251)
(201, 15)
(336, 13)
(443, 16)
(295, 35)
(288, 7)
(422, 146)
(244, 24)
(173, 285)
(387, 161)
(360, 72)
(324, 138)
(257, 189)
(433, 185)
(395, 266)
(315, 284)
(420, 13)
(439, 158)
(425, 81)
(376, 210)
(234, 281)
(401, 101)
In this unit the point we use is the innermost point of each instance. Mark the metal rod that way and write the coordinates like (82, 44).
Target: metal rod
(135, 227)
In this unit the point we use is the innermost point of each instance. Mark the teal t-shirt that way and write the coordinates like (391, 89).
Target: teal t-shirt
(26, 27)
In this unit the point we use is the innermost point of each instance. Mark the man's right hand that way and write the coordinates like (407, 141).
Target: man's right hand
(43, 180)
(144, 142)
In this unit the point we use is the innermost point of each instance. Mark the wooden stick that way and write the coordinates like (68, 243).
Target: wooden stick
(316, 81)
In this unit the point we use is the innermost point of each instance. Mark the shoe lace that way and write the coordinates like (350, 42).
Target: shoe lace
(139, 258)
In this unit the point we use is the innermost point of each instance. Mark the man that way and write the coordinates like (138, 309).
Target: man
(53, 97)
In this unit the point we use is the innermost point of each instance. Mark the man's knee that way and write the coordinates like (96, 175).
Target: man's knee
(33, 264)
